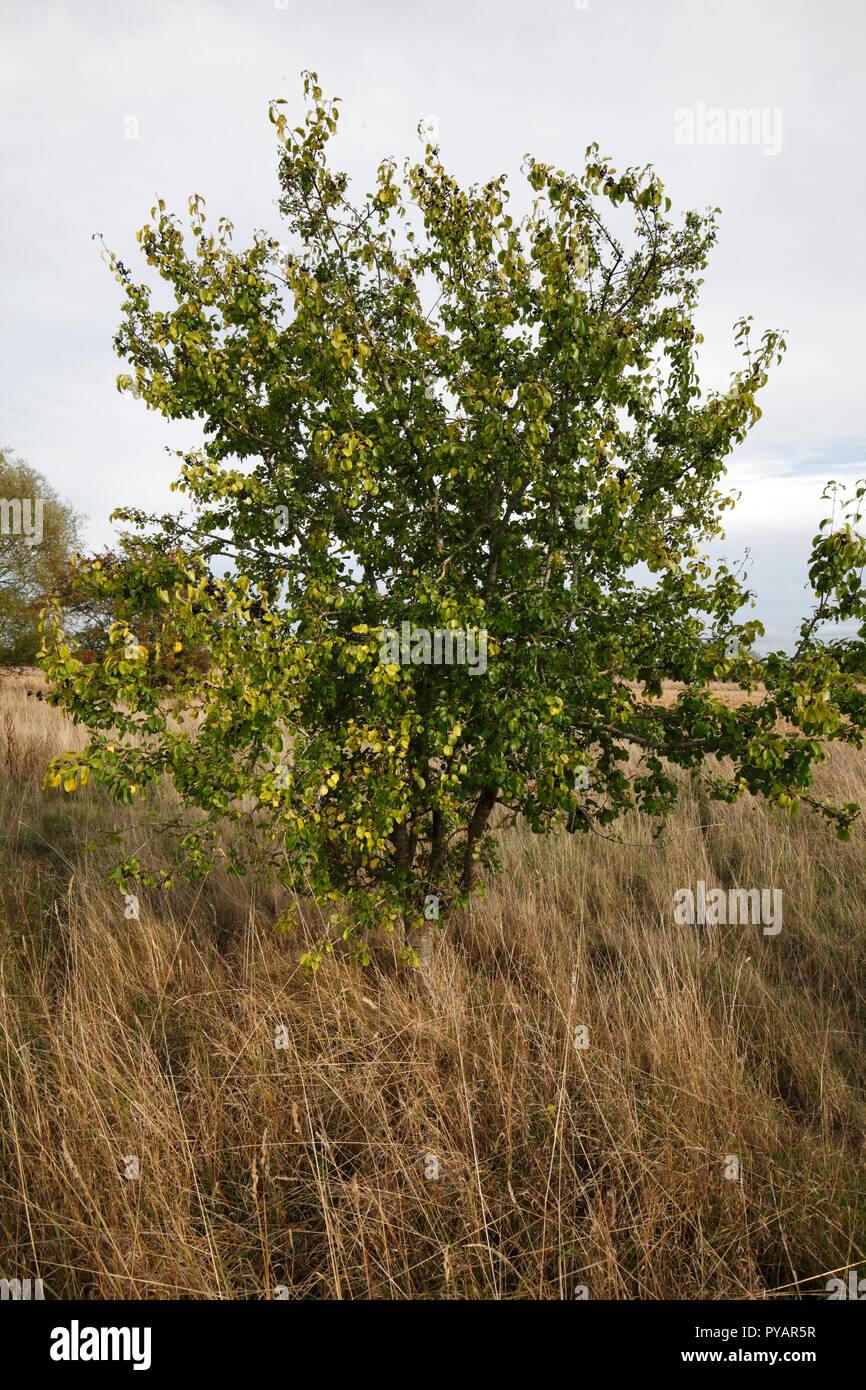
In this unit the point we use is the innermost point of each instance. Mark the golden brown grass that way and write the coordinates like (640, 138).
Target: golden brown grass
(304, 1166)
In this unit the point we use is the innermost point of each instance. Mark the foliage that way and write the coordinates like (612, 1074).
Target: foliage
(425, 409)
(37, 534)
(92, 611)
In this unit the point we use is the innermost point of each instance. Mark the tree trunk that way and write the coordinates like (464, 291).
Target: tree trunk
(424, 944)
(474, 831)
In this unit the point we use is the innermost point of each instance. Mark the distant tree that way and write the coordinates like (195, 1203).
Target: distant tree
(422, 411)
(38, 532)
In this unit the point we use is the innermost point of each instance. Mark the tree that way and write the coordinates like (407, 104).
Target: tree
(37, 534)
(424, 411)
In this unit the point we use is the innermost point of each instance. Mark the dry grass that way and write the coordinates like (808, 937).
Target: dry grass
(304, 1166)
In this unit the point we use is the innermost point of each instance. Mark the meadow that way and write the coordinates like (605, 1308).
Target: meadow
(443, 1137)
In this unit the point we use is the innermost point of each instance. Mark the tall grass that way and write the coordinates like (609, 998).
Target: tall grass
(310, 1168)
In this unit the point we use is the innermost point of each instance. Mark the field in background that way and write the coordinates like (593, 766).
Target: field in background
(441, 1142)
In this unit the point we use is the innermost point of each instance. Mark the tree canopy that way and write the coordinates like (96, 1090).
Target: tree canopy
(420, 409)
(37, 535)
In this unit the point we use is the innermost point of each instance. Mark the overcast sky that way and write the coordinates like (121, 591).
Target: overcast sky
(192, 79)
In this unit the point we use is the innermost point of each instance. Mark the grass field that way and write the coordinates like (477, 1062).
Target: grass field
(441, 1140)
